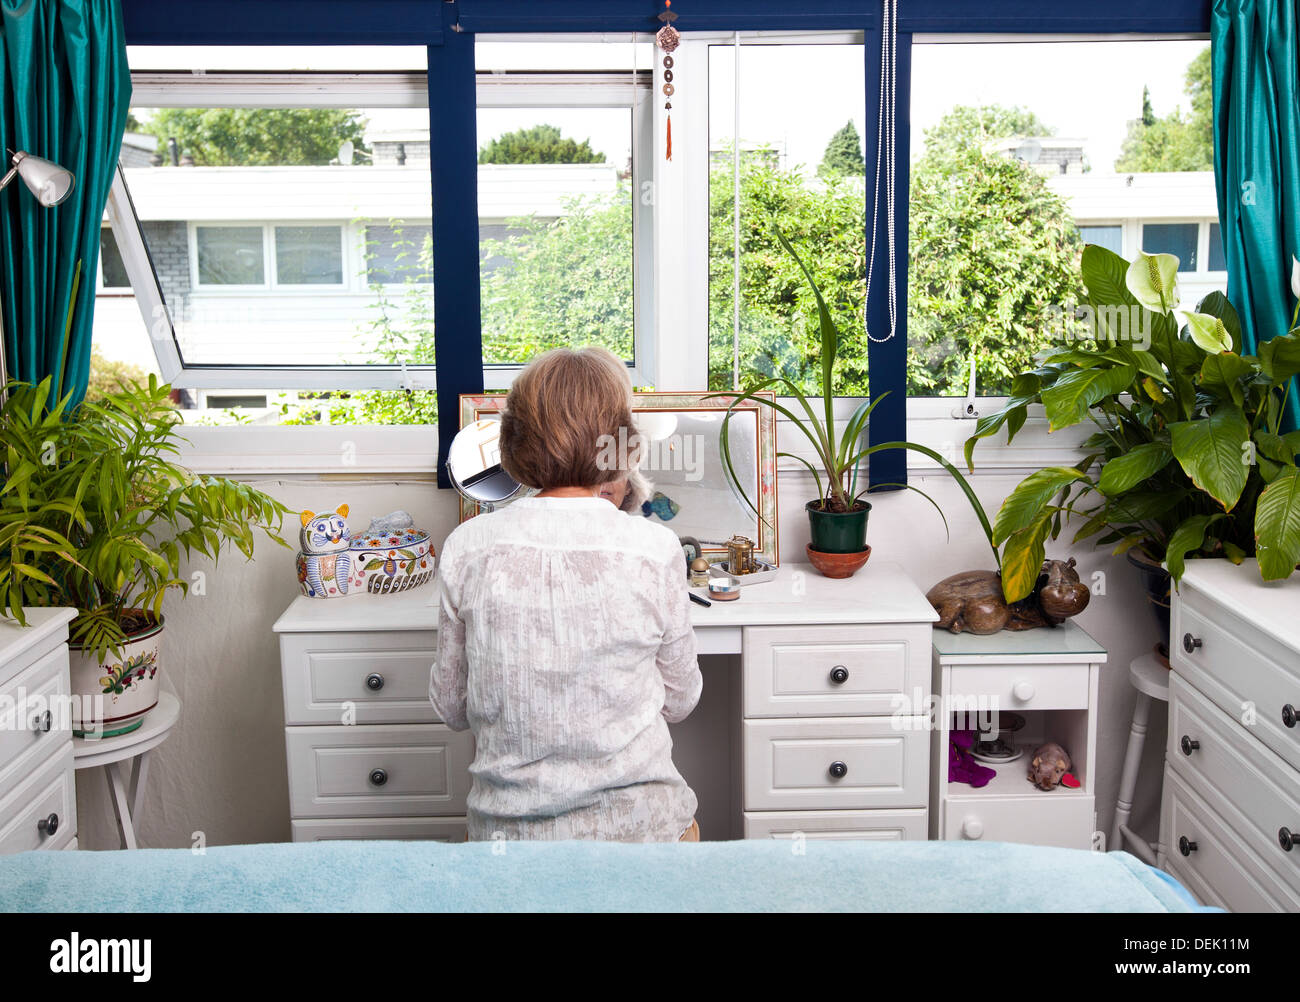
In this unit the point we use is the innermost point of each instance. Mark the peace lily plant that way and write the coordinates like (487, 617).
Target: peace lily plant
(1188, 441)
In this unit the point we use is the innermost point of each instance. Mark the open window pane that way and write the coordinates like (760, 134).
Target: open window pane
(795, 159)
(110, 262)
(1015, 166)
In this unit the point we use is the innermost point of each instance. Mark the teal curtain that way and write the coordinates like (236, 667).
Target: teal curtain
(64, 93)
(1257, 163)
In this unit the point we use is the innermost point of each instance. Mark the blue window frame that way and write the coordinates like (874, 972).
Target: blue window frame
(448, 29)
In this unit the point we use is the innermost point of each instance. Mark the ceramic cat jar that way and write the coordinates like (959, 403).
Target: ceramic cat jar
(391, 556)
(324, 557)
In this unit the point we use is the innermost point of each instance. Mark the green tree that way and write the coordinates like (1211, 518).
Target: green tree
(1178, 141)
(541, 144)
(975, 125)
(992, 248)
(843, 154)
(258, 137)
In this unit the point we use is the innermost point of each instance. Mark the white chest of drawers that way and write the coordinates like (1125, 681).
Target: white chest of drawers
(1048, 676)
(822, 749)
(38, 800)
(1230, 809)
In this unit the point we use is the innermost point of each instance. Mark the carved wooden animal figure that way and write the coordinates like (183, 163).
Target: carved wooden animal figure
(323, 560)
(972, 601)
(1049, 764)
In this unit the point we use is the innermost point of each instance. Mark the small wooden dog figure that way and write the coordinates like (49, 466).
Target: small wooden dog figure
(323, 559)
(1049, 764)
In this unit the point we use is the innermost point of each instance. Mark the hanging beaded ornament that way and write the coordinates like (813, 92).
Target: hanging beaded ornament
(668, 38)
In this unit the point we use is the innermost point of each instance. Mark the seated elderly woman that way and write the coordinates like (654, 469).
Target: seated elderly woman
(564, 637)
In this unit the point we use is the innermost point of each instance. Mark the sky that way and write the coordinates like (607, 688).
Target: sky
(794, 96)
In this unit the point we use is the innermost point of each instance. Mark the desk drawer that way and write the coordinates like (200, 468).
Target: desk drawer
(1221, 860)
(24, 701)
(402, 829)
(874, 826)
(50, 791)
(788, 763)
(1021, 687)
(1240, 670)
(833, 670)
(376, 678)
(1065, 821)
(423, 771)
(1252, 789)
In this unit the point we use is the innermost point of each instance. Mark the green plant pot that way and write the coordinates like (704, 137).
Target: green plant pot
(838, 532)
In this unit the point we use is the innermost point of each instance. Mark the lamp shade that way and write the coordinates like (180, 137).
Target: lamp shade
(49, 182)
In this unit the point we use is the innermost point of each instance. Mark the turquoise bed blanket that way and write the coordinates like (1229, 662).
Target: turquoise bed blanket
(747, 876)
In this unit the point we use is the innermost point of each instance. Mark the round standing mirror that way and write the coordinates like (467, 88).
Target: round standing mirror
(474, 465)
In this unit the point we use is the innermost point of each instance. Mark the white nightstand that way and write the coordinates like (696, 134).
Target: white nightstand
(1048, 676)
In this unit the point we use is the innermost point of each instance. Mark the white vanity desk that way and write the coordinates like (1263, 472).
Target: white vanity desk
(816, 740)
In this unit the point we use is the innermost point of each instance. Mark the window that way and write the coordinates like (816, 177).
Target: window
(1215, 259)
(1014, 168)
(308, 255)
(563, 247)
(1109, 236)
(230, 255)
(399, 252)
(112, 271)
(1179, 239)
(785, 125)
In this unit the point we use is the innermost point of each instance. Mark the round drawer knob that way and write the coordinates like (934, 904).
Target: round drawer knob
(1289, 716)
(374, 681)
(1186, 846)
(48, 826)
(1190, 643)
(378, 777)
(1188, 745)
(972, 828)
(839, 770)
(1023, 691)
(1286, 838)
(43, 723)
(839, 674)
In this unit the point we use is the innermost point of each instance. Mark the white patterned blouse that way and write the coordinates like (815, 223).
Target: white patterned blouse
(565, 645)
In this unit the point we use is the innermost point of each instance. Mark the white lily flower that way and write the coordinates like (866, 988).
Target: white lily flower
(1153, 281)
(1295, 277)
(1208, 333)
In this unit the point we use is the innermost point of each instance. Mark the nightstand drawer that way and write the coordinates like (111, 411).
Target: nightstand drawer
(1021, 687)
(47, 798)
(401, 829)
(1239, 668)
(875, 826)
(833, 670)
(1038, 819)
(411, 770)
(361, 678)
(1252, 789)
(1217, 855)
(24, 704)
(836, 763)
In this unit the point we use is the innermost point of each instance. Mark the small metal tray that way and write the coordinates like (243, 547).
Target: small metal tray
(766, 572)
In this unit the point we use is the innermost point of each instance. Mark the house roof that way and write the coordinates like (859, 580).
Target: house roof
(1172, 195)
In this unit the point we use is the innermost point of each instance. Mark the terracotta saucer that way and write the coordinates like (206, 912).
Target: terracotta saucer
(838, 565)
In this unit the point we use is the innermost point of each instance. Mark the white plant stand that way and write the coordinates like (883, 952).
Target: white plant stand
(125, 760)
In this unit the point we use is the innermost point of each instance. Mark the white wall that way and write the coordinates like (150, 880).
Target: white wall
(222, 772)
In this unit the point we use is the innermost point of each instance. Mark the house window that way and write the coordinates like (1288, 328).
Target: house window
(1109, 236)
(399, 252)
(230, 255)
(1179, 239)
(112, 272)
(308, 255)
(1215, 259)
(1014, 169)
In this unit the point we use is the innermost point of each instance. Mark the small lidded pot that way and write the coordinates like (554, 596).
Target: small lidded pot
(740, 555)
(724, 589)
(699, 573)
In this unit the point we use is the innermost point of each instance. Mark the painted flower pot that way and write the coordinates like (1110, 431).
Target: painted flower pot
(390, 562)
(112, 696)
(838, 532)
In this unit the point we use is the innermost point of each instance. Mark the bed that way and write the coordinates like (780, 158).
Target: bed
(745, 876)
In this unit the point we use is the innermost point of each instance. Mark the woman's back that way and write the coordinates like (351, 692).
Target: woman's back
(565, 645)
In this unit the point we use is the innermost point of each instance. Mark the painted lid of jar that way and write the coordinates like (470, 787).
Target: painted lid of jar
(400, 537)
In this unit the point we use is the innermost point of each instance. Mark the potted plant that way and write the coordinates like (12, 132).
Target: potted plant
(95, 515)
(1188, 440)
(837, 516)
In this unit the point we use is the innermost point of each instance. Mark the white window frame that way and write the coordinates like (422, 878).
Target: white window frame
(218, 287)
